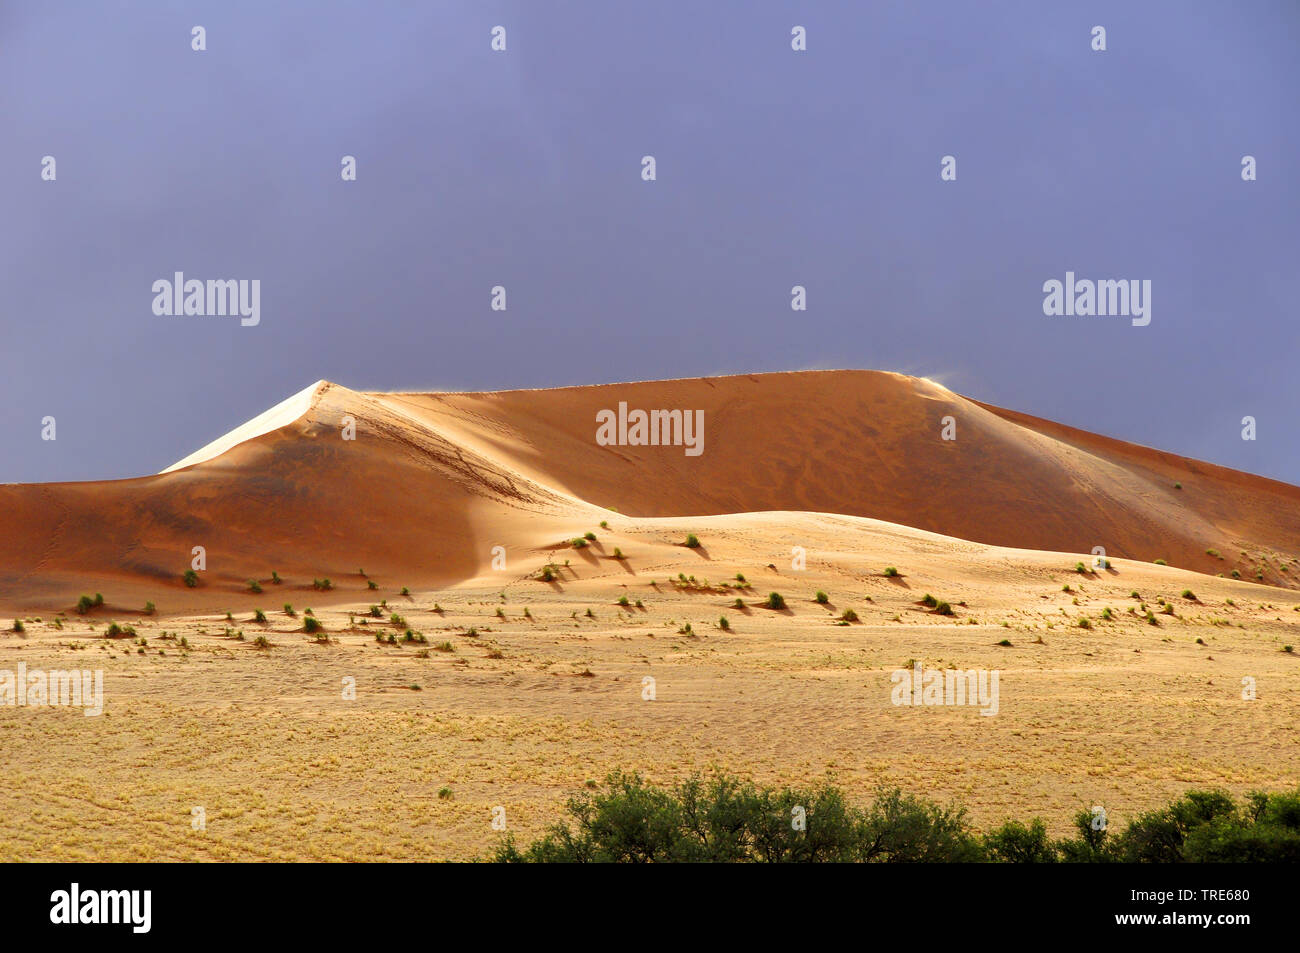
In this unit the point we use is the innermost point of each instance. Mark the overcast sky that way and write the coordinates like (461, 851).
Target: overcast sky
(523, 169)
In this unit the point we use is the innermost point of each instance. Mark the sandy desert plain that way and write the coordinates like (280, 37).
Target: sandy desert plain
(523, 690)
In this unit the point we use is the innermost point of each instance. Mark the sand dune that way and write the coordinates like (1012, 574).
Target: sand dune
(433, 482)
(487, 686)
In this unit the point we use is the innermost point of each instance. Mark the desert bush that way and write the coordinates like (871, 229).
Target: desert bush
(722, 818)
(692, 541)
(891, 571)
(311, 624)
(191, 578)
(259, 615)
(821, 598)
(775, 601)
(1016, 843)
(254, 586)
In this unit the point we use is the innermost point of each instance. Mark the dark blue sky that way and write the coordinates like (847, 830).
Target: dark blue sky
(522, 169)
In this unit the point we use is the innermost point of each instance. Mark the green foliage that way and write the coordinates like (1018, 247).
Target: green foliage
(724, 818)
(191, 578)
(775, 601)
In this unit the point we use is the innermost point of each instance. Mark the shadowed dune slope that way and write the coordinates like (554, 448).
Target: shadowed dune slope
(433, 481)
(400, 502)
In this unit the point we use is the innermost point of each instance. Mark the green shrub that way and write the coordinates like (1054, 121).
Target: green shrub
(311, 624)
(259, 615)
(1015, 843)
(849, 616)
(692, 541)
(322, 584)
(191, 578)
(725, 819)
(821, 598)
(891, 571)
(18, 626)
(943, 609)
(775, 601)
(929, 600)
(254, 586)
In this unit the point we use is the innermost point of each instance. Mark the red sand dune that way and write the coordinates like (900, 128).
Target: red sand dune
(433, 481)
